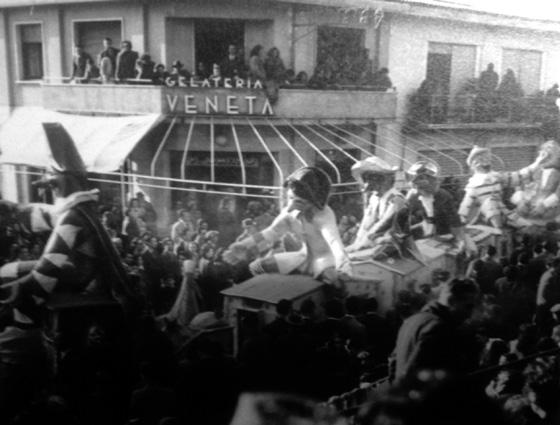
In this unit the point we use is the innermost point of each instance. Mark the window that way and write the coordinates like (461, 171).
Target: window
(526, 65)
(31, 43)
(450, 66)
(90, 35)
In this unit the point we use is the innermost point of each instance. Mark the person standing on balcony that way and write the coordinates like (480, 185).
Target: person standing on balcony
(145, 67)
(110, 53)
(488, 81)
(486, 95)
(80, 60)
(381, 80)
(509, 95)
(256, 64)
(274, 66)
(92, 72)
(106, 71)
(126, 62)
(275, 73)
(233, 65)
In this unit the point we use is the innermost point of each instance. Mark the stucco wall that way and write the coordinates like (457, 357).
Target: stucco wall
(408, 49)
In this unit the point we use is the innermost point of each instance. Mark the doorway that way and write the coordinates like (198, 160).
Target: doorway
(212, 38)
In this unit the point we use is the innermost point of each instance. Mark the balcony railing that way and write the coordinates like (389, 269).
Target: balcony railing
(472, 108)
(342, 102)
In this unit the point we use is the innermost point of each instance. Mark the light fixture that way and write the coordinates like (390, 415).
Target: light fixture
(221, 140)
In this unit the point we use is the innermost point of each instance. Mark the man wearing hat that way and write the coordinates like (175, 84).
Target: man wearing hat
(178, 75)
(78, 257)
(385, 221)
(433, 206)
(307, 217)
(483, 192)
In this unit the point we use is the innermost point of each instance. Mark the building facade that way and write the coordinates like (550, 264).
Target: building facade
(240, 139)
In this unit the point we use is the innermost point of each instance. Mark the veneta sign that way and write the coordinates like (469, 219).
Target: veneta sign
(217, 96)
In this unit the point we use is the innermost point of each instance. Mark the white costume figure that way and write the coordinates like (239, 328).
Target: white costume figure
(483, 192)
(187, 303)
(385, 223)
(308, 218)
(537, 199)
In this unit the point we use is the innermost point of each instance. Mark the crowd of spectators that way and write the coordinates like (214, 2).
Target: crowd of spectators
(128, 67)
(482, 99)
(318, 351)
(355, 69)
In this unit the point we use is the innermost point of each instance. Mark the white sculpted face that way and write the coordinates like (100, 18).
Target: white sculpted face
(551, 152)
(482, 163)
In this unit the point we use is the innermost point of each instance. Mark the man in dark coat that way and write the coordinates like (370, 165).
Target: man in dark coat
(233, 65)
(126, 62)
(80, 60)
(431, 338)
(108, 52)
(433, 209)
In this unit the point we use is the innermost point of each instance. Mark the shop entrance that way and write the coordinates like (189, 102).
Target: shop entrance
(227, 169)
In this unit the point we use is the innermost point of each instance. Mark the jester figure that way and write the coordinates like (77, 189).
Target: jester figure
(385, 223)
(309, 219)
(78, 257)
(484, 190)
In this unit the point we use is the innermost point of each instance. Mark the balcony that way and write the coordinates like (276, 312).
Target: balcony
(293, 103)
(470, 111)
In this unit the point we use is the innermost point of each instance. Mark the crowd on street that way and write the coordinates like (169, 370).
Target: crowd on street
(503, 311)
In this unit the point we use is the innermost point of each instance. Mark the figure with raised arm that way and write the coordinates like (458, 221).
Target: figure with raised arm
(308, 218)
(484, 190)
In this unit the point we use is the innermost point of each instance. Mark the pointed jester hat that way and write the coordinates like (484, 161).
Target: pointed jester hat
(65, 159)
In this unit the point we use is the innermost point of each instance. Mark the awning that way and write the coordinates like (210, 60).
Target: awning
(103, 142)
(336, 146)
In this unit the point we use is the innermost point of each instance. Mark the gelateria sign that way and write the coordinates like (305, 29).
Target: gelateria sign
(193, 100)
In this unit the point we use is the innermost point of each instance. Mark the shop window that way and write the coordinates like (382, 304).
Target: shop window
(90, 35)
(341, 54)
(526, 65)
(212, 38)
(31, 43)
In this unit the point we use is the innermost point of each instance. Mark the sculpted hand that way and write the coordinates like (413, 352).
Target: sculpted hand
(9, 293)
(345, 271)
(541, 157)
(329, 276)
(236, 253)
